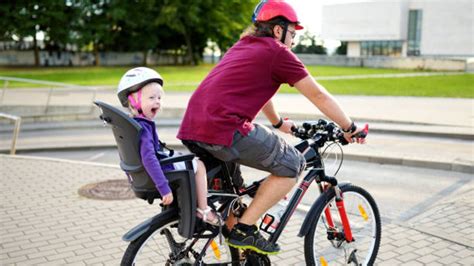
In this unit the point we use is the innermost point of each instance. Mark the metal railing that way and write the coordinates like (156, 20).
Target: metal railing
(16, 130)
(53, 87)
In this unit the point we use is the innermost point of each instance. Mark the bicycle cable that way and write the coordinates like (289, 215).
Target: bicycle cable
(342, 155)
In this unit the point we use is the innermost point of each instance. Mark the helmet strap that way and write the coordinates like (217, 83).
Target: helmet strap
(138, 103)
(285, 30)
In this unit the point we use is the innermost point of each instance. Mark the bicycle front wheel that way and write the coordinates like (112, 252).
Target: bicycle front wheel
(325, 242)
(162, 245)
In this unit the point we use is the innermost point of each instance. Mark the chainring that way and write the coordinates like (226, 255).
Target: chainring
(256, 259)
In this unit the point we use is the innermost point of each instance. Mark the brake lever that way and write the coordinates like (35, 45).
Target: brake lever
(363, 134)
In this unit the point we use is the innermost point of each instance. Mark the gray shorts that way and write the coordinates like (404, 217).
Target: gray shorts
(261, 149)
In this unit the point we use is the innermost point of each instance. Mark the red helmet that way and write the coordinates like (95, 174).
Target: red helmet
(267, 10)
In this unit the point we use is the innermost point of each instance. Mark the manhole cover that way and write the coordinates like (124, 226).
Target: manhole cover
(108, 190)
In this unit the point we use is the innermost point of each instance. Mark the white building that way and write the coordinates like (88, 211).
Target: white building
(402, 27)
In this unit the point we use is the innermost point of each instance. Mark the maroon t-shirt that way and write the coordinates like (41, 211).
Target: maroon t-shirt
(239, 86)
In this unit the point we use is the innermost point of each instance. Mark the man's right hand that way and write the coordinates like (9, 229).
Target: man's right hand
(286, 126)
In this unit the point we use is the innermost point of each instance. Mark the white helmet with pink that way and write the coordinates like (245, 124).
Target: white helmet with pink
(135, 79)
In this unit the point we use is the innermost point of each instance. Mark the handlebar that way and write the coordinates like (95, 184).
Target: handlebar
(322, 131)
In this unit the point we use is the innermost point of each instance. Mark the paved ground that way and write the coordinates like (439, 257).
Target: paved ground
(45, 221)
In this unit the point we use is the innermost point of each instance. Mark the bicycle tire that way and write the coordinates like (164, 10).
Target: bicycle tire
(365, 226)
(153, 247)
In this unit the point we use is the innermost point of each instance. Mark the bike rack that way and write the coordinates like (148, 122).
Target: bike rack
(16, 130)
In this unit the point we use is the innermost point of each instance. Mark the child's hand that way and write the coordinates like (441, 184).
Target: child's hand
(167, 199)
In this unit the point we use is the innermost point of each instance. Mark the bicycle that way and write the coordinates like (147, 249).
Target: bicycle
(342, 227)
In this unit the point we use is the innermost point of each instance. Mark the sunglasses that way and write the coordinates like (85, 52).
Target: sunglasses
(293, 33)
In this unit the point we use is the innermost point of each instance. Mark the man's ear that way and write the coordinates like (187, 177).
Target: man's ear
(276, 31)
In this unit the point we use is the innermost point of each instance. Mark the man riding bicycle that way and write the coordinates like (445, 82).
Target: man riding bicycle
(220, 113)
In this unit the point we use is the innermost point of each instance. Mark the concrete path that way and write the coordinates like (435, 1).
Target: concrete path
(44, 221)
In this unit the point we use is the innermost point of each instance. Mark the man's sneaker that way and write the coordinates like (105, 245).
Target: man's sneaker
(251, 239)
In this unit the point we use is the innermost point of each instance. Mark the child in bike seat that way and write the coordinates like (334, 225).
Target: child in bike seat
(140, 89)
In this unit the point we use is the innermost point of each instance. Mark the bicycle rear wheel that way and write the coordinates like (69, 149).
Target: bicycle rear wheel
(325, 245)
(162, 245)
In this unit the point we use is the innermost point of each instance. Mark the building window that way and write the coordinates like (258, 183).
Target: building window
(384, 48)
(414, 32)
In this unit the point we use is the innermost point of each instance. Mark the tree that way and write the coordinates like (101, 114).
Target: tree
(227, 20)
(96, 26)
(50, 17)
(200, 21)
(58, 22)
(128, 25)
(136, 26)
(307, 44)
(183, 17)
(342, 49)
(28, 18)
(7, 11)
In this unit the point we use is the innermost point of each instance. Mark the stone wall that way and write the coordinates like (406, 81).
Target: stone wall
(422, 63)
(27, 58)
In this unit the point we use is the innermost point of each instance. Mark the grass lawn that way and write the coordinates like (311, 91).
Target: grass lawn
(96, 76)
(457, 86)
(330, 71)
(185, 78)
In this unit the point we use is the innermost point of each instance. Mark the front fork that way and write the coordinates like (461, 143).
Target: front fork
(342, 213)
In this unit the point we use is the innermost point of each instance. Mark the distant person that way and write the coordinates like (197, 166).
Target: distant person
(140, 89)
(220, 113)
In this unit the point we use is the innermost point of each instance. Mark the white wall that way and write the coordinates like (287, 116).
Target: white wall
(364, 20)
(353, 49)
(447, 26)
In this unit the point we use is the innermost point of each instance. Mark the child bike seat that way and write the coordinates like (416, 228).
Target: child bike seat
(127, 136)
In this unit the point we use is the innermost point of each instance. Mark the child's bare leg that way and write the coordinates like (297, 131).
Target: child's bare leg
(201, 189)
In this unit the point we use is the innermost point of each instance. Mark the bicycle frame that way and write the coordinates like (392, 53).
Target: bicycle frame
(317, 173)
(294, 201)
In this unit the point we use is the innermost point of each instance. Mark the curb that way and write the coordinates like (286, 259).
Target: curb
(89, 112)
(176, 122)
(438, 165)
